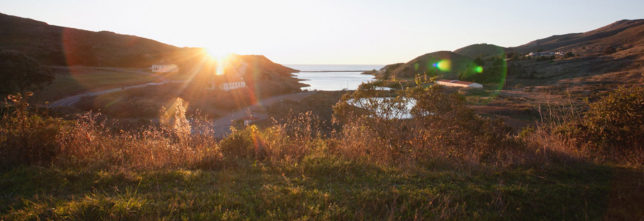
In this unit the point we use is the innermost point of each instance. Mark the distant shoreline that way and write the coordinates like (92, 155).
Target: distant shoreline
(337, 71)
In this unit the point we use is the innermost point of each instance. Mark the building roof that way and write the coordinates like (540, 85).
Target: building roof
(456, 82)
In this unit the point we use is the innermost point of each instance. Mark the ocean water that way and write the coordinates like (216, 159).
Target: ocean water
(333, 77)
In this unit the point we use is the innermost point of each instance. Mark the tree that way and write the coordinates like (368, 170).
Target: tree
(19, 72)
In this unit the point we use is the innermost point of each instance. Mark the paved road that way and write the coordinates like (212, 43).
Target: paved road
(71, 100)
(222, 124)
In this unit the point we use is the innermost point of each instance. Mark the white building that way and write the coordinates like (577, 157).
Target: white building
(545, 54)
(457, 83)
(231, 79)
(233, 85)
(164, 68)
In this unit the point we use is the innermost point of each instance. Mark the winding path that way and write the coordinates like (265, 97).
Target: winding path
(222, 125)
(71, 100)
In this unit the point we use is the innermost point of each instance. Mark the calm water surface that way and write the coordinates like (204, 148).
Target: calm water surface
(333, 77)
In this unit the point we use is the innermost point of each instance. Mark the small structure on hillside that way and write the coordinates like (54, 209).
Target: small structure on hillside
(232, 78)
(457, 83)
(236, 84)
(164, 68)
(545, 54)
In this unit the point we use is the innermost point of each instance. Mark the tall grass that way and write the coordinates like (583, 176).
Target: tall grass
(452, 136)
(453, 164)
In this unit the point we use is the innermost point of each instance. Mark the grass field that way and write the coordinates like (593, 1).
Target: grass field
(453, 165)
(75, 80)
(320, 187)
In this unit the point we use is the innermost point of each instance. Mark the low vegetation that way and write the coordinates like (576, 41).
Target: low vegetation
(76, 80)
(445, 163)
(31, 74)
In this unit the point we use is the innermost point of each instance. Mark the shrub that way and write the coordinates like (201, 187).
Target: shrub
(19, 72)
(243, 144)
(614, 123)
(443, 130)
(26, 138)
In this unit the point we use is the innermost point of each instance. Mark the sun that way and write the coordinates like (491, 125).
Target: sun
(217, 54)
(220, 57)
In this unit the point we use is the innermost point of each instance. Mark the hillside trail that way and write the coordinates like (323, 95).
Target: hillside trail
(221, 125)
(71, 100)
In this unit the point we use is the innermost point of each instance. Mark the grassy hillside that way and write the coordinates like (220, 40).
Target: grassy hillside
(598, 61)
(618, 36)
(73, 80)
(55, 45)
(430, 63)
(81, 59)
(481, 51)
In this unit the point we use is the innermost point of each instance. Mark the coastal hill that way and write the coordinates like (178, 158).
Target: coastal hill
(597, 60)
(430, 63)
(55, 45)
(481, 50)
(618, 36)
(52, 45)
(63, 46)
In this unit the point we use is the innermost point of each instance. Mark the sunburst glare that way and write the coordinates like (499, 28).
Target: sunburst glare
(220, 57)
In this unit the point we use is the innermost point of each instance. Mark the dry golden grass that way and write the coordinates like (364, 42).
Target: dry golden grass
(452, 166)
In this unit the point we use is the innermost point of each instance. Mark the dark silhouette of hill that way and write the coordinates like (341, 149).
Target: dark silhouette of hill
(55, 45)
(621, 35)
(481, 50)
(62, 46)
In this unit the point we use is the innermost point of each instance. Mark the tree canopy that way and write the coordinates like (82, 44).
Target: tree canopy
(19, 72)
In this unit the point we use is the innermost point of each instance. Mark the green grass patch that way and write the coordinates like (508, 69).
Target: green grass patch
(320, 187)
(90, 79)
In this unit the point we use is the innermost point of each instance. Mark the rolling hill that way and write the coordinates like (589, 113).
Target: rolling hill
(481, 50)
(55, 45)
(604, 58)
(618, 36)
(62, 46)
(428, 63)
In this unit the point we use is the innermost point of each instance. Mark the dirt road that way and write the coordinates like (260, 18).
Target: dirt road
(71, 100)
(222, 124)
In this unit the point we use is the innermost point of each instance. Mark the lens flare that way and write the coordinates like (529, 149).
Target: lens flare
(443, 65)
(220, 58)
(478, 69)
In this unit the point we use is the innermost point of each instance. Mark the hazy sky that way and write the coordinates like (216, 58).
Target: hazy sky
(329, 31)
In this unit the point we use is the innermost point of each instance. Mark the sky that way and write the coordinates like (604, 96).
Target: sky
(331, 31)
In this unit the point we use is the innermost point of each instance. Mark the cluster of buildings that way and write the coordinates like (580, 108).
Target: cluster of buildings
(164, 68)
(544, 54)
(457, 83)
(231, 79)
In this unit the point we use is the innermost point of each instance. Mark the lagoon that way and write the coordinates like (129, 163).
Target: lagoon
(333, 77)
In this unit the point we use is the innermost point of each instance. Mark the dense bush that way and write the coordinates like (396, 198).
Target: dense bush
(443, 130)
(614, 123)
(19, 72)
(27, 138)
